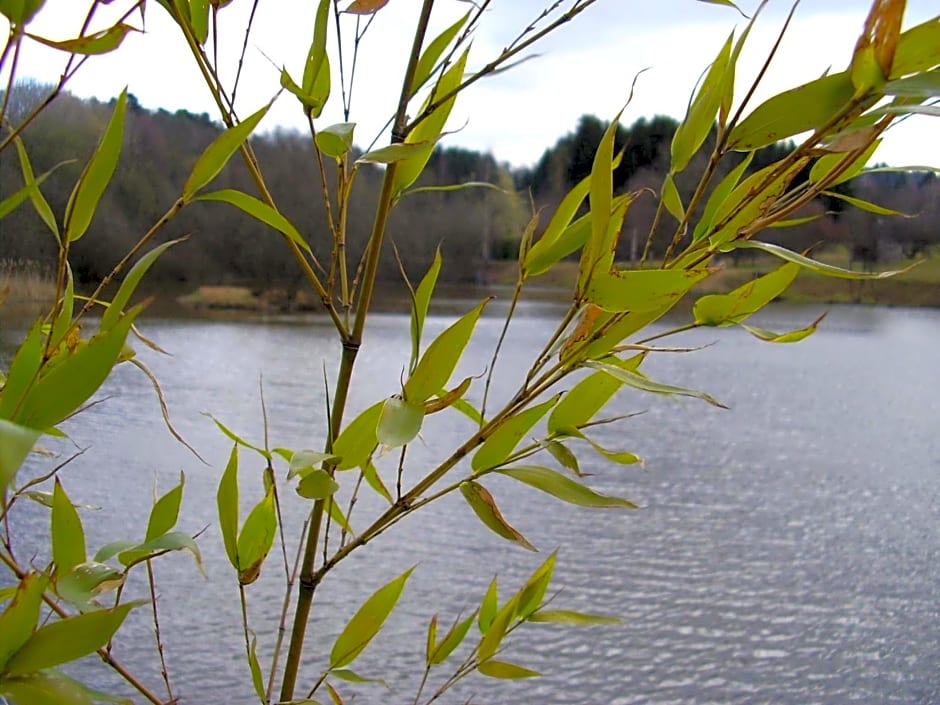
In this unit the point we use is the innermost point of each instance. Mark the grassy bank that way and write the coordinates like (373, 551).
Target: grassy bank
(24, 287)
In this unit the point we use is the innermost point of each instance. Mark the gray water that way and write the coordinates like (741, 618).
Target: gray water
(787, 550)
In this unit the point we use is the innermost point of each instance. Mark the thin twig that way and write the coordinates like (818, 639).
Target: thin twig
(156, 630)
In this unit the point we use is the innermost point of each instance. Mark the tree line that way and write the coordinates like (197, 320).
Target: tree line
(473, 225)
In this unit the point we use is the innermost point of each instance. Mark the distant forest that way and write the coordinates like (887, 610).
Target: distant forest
(474, 226)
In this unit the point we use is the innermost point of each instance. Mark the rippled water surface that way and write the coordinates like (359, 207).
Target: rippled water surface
(787, 550)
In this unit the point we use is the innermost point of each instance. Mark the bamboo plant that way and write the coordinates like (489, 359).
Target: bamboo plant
(73, 606)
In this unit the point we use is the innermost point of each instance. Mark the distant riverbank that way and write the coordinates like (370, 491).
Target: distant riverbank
(22, 293)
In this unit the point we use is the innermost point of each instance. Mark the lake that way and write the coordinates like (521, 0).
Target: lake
(787, 550)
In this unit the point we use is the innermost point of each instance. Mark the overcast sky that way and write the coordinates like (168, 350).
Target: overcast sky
(587, 67)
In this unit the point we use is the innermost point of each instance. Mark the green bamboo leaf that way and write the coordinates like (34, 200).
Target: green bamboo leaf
(671, 198)
(199, 19)
(171, 541)
(561, 453)
(165, 511)
(921, 85)
(489, 607)
(484, 506)
(625, 326)
(227, 503)
(367, 622)
(571, 617)
(541, 256)
(256, 538)
(451, 640)
(317, 485)
(14, 201)
(431, 641)
(371, 475)
(533, 592)
(259, 210)
(63, 321)
(506, 670)
(399, 423)
(641, 289)
(439, 360)
(497, 630)
(918, 49)
(700, 118)
(18, 621)
(931, 110)
(68, 536)
(70, 383)
(67, 640)
(22, 373)
(718, 197)
(40, 204)
(432, 54)
(747, 299)
(356, 442)
(217, 154)
(752, 200)
(102, 42)
(20, 12)
(336, 140)
(827, 164)
(619, 457)
(86, 581)
(644, 383)
(579, 405)
(16, 442)
(257, 680)
(816, 266)
(110, 550)
(238, 439)
(351, 676)
(90, 187)
(601, 190)
(789, 337)
(393, 153)
(507, 436)
(866, 205)
(797, 110)
(113, 312)
(303, 462)
(46, 688)
(316, 55)
(429, 130)
(336, 513)
(420, 304)
(563, 487)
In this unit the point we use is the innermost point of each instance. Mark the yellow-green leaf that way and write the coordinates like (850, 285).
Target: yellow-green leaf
(420, 303)
(97, 174)
(562, 486)
(644, 383)
(367, 622)
(19, 619)
(336, 140)
(790, 337)
(506, 670)
(641, 290)
(671, 198)
(67, 640)
(217, 154)
(101, 42)
(439, 360)
(430, 56)
(260, 210)
(572, 617)
(451, 640)
(794, 111)
(484, 506)
(317, 485)
(507, 436)
(68, 536)
(698, 122)
(227, 503)
(165, 511)
(114, 310)
(256, 538)
(16, 442)
(356, 442)
(816, 266)
(747, 299)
